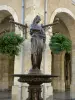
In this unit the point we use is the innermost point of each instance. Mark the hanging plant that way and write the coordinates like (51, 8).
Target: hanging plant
(10, 43)
(59, 43)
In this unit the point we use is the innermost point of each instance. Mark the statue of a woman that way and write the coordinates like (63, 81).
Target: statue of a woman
(38, 38)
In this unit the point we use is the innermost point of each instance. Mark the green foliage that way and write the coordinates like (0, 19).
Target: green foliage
(10, 43)
(60, 42)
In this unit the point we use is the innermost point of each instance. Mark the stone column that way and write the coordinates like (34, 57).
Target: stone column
(58, 69)
(4, 64)
(72, 92)
(10, 72)
(46, 69)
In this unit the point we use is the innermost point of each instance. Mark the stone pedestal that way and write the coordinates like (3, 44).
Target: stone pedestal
(34, 81)
(34, 92)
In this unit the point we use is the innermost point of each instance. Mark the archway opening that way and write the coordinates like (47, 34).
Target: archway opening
(67, 71)
(61, 66)
(6, 62)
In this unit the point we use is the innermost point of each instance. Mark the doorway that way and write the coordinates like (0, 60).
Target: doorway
(67, 71)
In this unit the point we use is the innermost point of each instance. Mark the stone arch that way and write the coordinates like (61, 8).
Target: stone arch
(11, 11)
(59, 10)
(68, 18)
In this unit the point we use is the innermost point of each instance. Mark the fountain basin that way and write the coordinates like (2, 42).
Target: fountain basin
(34, 78)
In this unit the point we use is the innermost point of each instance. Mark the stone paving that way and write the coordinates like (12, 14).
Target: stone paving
(6, 95)
(61, 96)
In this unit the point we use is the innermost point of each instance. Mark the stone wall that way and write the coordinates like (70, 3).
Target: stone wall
(6, 70)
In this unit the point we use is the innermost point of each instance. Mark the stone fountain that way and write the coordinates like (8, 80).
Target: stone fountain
(35, 77)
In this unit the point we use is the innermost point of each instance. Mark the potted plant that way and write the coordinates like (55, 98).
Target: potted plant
(10, 43)
(59, 43)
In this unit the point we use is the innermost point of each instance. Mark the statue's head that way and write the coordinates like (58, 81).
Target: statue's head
(37, 19)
